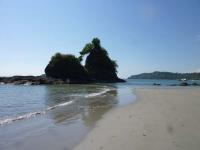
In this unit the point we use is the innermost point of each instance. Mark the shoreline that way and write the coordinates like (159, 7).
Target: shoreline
(66, 126)
(159, 119)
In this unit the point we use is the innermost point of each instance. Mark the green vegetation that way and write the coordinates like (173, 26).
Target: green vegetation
(65, 67)
(98, 66)
(167, 75)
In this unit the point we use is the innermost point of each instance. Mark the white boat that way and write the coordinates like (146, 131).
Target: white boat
(183, 79)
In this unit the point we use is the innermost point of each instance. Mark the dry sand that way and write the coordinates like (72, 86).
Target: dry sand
(162, 119)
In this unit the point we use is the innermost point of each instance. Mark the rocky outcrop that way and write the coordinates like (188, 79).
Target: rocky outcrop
(100, 67)
(185, 84)
(67, 69)
(37, 80)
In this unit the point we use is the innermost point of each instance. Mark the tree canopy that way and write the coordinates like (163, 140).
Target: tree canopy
(65, 67)
(98, 63)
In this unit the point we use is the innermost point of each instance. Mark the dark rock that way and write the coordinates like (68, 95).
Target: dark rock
(173, 85)
(195, 84)
(183, 84)
(156, 84)
(19, 82)
(120, 80)
(39, 80)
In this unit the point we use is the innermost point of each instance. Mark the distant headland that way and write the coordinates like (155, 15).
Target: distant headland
(67, 68)
(167, 75)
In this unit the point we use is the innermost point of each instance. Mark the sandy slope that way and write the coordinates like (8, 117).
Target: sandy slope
(162, 119)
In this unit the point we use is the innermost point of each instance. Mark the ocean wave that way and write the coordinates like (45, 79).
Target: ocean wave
(94, 94)
(59, 105)
(97, 93)
(22, 117)
(27, 83)
(32, 114)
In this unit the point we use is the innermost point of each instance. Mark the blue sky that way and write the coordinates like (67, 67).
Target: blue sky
(142, 35)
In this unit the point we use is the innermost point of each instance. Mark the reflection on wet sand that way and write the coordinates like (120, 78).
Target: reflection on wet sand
(98, 107)
(89, 110)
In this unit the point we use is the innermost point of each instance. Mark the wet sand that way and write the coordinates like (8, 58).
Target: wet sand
(161, 119)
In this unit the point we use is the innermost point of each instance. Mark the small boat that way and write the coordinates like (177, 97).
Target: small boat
(184, 79)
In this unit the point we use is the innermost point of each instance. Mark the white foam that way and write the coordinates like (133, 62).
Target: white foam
(32, 114)
(90, 95)
(64, 104)
(27, 83)
(25, 116)
(97, 94)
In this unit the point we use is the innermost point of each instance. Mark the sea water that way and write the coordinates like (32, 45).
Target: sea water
(54, 116)
(59, 116)
(19, 102)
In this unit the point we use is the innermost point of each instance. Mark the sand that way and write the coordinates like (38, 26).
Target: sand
(161, 119)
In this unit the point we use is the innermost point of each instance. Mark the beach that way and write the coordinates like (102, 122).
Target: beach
(160, 119)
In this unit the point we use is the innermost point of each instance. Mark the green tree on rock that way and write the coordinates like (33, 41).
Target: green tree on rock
(65, 67)
(98, 64)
